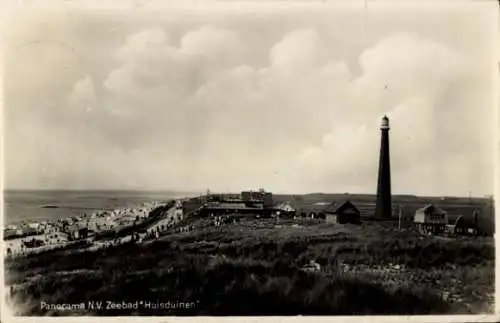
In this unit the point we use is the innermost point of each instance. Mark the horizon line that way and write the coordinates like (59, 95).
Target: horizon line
(235, 191)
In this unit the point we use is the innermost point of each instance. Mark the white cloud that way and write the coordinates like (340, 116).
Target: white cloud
(216, 44)
(285, 110)
(144, 47)
(416, 72)
(404, 65)
(301, 49)
(181, 108)
(155, 70)
(83, 95)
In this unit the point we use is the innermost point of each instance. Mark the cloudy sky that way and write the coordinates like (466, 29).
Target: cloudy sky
(289, 99)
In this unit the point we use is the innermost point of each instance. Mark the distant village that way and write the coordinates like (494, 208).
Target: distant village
(51, 234)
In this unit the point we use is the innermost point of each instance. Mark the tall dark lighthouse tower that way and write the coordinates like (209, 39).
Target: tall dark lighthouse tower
(383, 209)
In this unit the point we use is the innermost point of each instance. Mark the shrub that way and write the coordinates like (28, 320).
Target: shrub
(252, 272)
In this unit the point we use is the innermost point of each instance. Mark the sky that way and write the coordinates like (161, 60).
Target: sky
(286, 98)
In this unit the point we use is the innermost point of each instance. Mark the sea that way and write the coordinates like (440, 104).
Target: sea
(41, 205)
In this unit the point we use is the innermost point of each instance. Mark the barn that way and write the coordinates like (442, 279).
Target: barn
(464, 225)
(431, 219)
(342, 212)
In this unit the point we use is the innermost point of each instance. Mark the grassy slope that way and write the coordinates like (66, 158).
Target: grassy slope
(253, 268)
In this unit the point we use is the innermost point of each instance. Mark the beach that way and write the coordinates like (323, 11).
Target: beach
(45, 205)
(52, 231)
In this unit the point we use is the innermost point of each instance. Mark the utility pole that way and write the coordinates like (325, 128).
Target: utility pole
(399, 220)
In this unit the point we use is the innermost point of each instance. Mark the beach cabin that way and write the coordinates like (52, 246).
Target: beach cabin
(34, 225)
(33, 243)
(341, 213)
(74, 234)
(84, 233)
(430, 219)
(139, 236)
(285, 208)
(9, 233)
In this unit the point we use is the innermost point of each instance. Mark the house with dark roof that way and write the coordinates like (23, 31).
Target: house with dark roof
(464, 225)
(342, 212)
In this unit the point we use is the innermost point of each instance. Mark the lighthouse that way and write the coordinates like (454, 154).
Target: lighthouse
(383, 209)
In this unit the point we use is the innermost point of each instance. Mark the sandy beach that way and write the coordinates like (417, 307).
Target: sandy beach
(47, 235)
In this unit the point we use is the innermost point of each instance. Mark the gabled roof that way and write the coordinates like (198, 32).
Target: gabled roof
(463, 221)
(468, 215)
(339, 206)
(431, 208)
(285, 206)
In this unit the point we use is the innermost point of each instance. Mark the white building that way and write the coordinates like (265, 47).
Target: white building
(431, 218)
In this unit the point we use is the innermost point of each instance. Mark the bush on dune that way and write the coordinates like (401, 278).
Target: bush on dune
(230, 272)
(230, 287)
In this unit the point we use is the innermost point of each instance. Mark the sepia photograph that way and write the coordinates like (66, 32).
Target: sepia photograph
(265, 158)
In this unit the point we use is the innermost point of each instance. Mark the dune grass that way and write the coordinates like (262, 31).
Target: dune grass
(253, 268)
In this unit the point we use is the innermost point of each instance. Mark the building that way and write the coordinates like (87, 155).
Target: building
(284, 208)
(383, 209)
(486, 218)
(342, 212)
(431, 219)
(260, 196)
(139, 236)
(252, 196)
(218, 208)
(33, 243)
(10, 233)
(246, 196)
(464, 225)
(267, 200)
(259, 203)
(85, 233)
